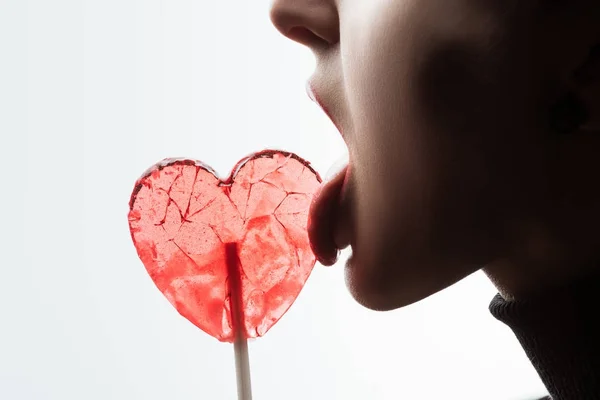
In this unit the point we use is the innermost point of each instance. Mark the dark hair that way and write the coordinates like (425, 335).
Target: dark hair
(568, 114)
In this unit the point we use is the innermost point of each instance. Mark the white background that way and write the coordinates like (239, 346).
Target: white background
(94, 92)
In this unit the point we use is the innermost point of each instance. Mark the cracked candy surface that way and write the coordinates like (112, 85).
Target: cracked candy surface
(182, 215)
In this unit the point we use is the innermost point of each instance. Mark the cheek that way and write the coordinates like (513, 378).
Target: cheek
(392, 157)
(443, 135)
(420, 185)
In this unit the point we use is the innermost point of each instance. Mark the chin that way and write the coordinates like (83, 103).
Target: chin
(385, 285)
(377, 293)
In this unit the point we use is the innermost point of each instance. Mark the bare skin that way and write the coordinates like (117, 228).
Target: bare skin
(447, 109)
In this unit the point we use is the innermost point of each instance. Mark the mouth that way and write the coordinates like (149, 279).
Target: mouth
(329, 227)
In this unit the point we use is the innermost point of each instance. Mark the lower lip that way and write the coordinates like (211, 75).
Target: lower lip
(342, 230)
(329, 219)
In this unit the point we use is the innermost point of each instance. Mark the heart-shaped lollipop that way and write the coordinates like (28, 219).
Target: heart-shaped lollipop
(183, 218)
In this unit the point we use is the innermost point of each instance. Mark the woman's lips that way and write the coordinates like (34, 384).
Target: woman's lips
(328, 223)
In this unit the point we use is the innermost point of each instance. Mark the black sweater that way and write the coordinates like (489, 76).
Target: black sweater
(560, 332)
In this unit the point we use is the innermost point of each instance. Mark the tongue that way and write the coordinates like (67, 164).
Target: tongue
(322, 219)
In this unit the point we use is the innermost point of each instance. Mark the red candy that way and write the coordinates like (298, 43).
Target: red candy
(182, 217)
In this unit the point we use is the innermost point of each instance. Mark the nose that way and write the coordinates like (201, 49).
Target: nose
(314, 23)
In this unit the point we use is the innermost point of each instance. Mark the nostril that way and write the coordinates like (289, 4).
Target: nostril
(305, 36)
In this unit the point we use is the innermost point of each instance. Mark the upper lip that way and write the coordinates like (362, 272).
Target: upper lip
(310, 91)
(314, 95)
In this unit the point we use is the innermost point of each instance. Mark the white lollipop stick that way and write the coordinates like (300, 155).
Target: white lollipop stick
(240, 345)
(242, 369)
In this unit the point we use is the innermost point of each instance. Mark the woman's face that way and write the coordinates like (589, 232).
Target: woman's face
(443, 107)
